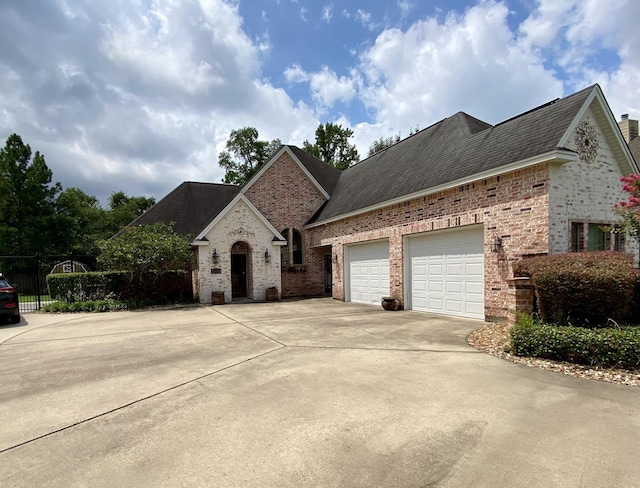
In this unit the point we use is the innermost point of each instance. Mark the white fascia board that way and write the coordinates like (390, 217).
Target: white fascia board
(598, 97)
(198, 242)
(269, 163)
(557, 156)
(239, 197)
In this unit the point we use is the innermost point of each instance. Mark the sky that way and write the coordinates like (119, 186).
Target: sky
(141, 95)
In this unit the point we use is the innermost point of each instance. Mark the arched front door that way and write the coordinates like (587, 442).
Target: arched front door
(240, 264)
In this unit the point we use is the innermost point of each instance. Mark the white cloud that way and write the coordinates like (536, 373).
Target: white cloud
(365, 18)
(570, 32)
(295, 74)
(327, 13)
(146, 101)
(327, 87)
(468, 62)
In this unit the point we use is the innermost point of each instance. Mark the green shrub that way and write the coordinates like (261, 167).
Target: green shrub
(606, 347)
(586, 289)
(81, 287)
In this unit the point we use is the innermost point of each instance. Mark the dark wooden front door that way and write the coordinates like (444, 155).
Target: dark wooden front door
(238, 275)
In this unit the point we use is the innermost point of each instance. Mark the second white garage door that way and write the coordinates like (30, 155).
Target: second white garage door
(447, 272)
(368, 266)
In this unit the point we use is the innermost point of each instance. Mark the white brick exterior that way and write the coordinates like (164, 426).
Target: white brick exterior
(582, 191)
(239, 223)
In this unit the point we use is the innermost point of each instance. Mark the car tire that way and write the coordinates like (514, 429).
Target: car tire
(15, 319)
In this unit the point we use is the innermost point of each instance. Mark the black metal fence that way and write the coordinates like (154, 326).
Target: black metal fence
(29, 275)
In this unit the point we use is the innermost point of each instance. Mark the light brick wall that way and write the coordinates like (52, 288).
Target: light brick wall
(584, 191)
(239, 224)
(513, 206)
(287, 198)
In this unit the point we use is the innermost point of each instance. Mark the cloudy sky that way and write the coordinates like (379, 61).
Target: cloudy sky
(140, 95)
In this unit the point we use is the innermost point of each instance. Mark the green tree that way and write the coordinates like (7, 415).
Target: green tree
(383, 143)
(332, 146)
(245, 155)
(145, 248)
(122, 210)
(144, 251)
(27, 200)
(81, 221)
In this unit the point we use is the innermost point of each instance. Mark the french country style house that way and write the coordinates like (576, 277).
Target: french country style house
(435, 221)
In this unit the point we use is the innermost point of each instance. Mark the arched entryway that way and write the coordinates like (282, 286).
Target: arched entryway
(241, 270)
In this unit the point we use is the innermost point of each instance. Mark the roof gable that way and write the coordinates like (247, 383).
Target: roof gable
(238, 198)
(609, 127)
(323, 176)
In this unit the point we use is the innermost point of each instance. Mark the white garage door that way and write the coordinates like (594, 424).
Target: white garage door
(368, 266)
(447, 272)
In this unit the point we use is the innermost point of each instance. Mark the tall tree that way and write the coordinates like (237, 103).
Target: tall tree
(245, 155)
(332, 146)
(123, 210)
(82, 222)
(27, 201)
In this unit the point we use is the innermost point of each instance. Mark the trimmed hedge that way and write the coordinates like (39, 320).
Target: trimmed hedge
(82, 287)
(604, 347)
(586, 288)
(154, 287)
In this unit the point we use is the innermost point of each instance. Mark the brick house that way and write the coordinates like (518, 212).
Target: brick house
(435, 220)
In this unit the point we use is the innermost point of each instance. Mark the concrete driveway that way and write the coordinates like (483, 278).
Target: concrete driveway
(299, 393)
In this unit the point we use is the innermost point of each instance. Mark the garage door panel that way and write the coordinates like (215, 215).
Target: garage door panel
(453, 280)
(368, 266)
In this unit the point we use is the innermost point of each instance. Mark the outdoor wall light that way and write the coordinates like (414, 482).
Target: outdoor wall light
(215, 257)
(496, 244)
(267, 257)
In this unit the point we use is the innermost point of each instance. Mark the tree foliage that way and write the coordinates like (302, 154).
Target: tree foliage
(383, 143)
(332, 146)
(144, 249)
(123, 209)
(245, 154)
(629, 210)
(27, 200)
(82, 222)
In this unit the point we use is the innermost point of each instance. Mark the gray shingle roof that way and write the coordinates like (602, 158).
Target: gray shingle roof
(192, 206)
(455, 148)
(327, 176)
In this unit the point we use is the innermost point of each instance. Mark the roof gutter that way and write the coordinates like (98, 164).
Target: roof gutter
(557, 156)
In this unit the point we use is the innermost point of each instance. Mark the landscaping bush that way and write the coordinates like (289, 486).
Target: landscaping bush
(585, 289)
(606, 347)
(82, 287)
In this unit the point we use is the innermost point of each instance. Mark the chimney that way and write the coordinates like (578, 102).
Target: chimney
(628, 127)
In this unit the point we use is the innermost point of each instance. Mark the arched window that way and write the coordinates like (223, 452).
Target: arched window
(284, 250)
(297, 247)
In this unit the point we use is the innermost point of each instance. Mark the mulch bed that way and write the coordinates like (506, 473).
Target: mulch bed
(493, 337)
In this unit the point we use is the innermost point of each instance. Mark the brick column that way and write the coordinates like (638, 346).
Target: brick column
(521, 295)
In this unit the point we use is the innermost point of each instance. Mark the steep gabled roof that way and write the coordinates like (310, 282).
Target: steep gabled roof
(327, 176)
(323, 176)
(449, 151)
(192, 206)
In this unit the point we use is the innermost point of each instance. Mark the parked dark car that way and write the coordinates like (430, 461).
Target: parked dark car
(9, 301)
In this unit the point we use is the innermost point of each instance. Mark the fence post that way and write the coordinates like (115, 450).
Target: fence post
(38, 290)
